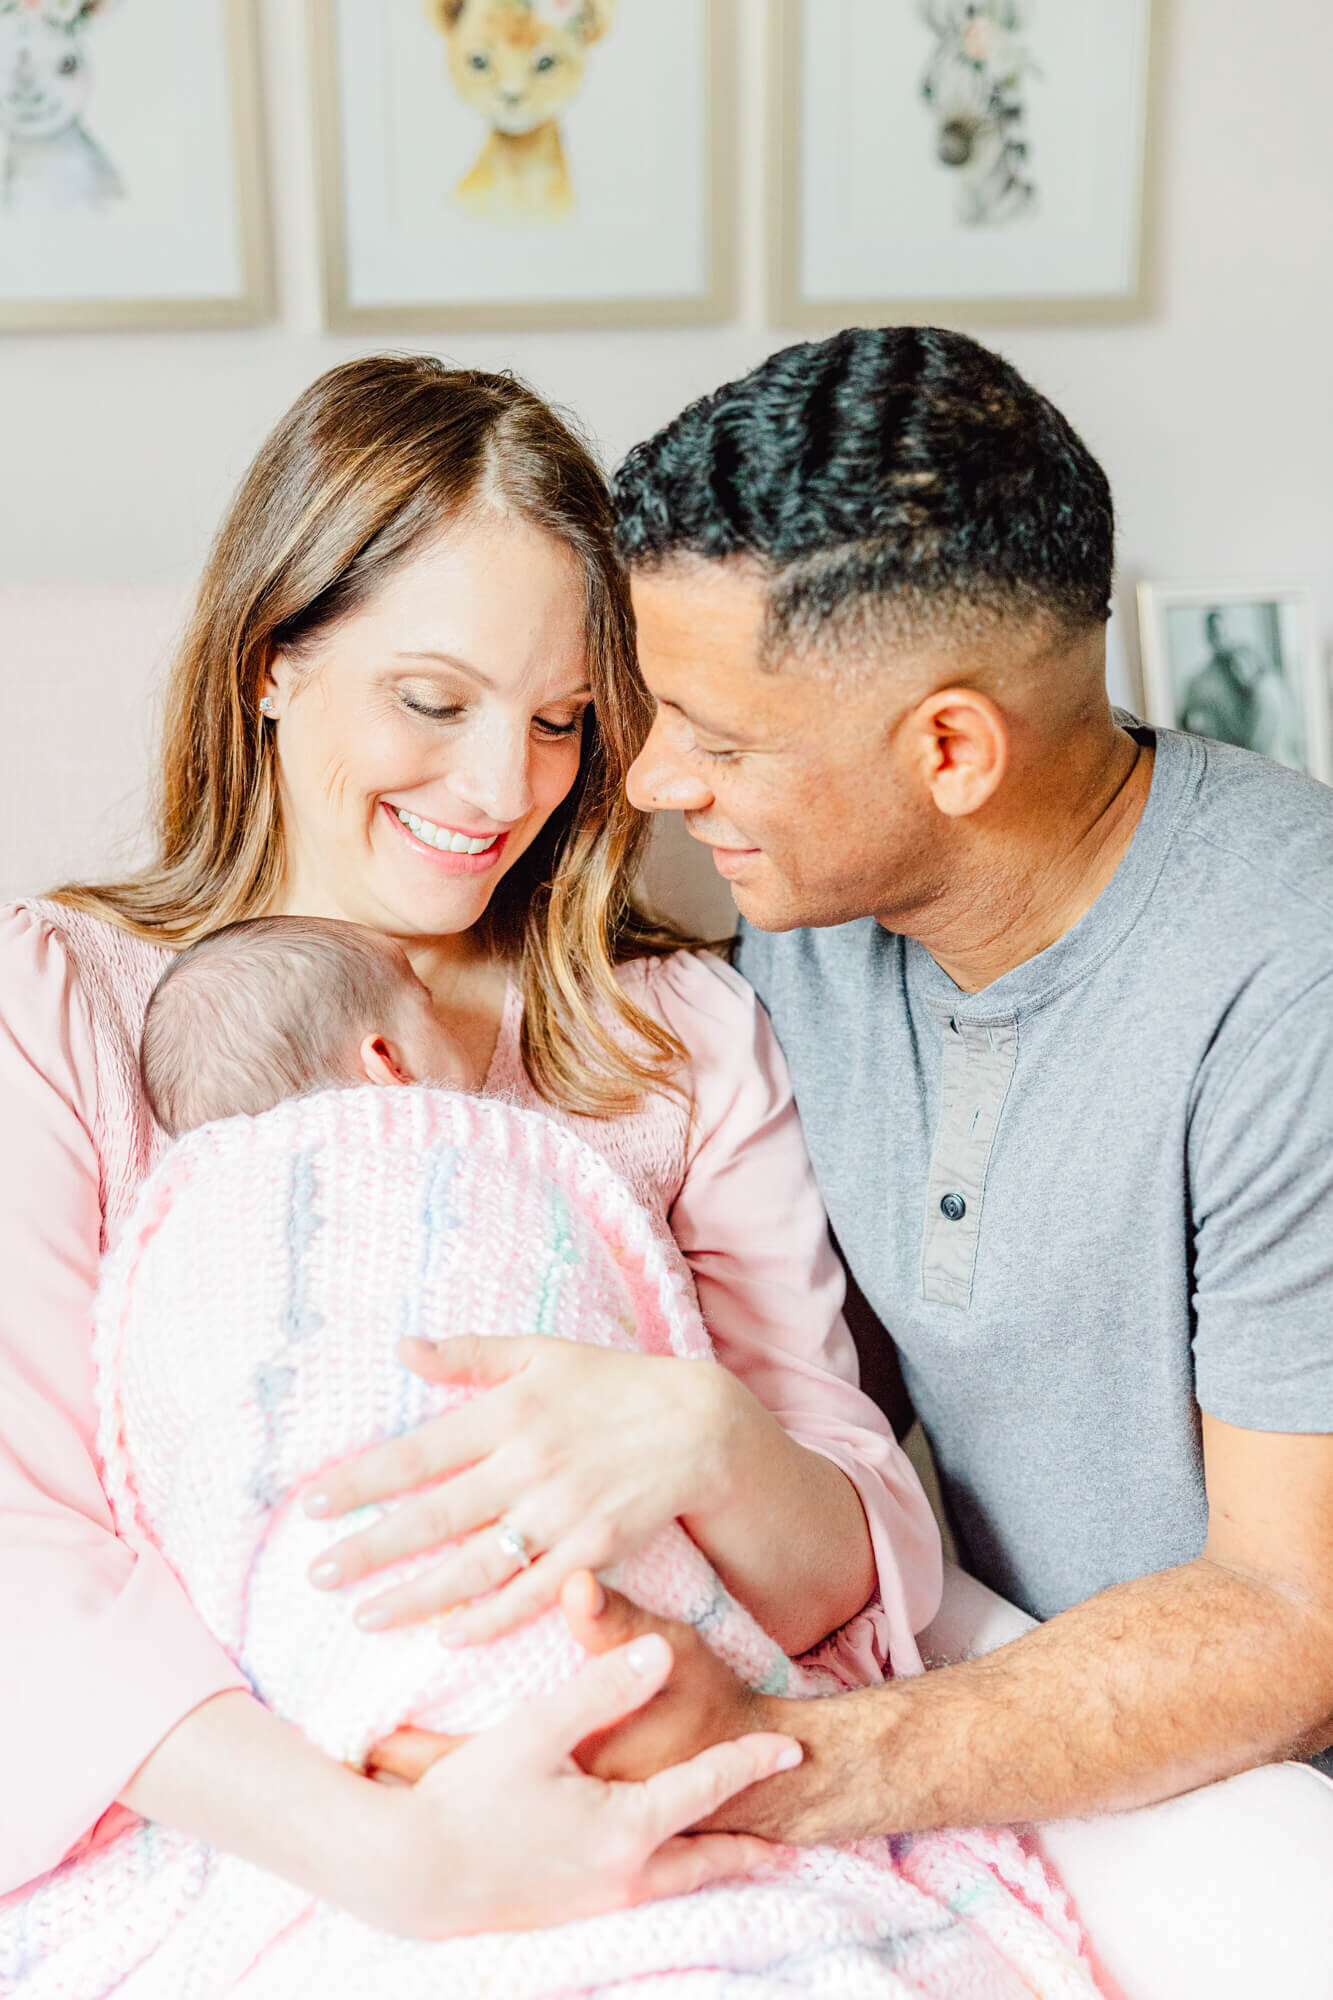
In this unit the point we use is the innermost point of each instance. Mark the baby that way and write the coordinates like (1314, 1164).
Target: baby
(263, 1010)
(245, 1338)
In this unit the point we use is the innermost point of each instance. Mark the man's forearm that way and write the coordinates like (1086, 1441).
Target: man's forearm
(1145, 1691)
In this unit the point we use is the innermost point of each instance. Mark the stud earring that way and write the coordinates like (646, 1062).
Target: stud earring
(266, 704)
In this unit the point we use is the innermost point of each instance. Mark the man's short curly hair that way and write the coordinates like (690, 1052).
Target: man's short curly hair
(885, 478)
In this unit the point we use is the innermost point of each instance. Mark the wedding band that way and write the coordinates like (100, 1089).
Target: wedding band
(513, 1544)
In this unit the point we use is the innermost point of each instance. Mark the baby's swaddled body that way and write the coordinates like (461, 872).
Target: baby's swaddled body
(245, 1339)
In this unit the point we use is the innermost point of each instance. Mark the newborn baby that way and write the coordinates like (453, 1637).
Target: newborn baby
(262, 1010)
(245, 1338)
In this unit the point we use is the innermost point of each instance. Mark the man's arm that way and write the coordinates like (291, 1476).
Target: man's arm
(1144, 1691)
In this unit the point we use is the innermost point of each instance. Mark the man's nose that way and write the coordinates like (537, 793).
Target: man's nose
(660, 780)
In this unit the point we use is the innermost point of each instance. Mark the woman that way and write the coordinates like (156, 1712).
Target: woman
(407, 698)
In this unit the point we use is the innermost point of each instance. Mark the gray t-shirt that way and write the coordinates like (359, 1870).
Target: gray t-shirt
(1098, 1195)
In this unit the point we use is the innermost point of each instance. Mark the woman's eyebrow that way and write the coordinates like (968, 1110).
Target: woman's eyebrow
(475, 673)
(448, 660)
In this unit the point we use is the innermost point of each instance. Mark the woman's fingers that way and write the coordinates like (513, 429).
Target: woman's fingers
(440, 1446)
(429, 1520)
(690, 1862)
(684, 1794)
(477, 1570)
(531, 1592)
(469, 1358)
(602, 1693)
(408, 1754)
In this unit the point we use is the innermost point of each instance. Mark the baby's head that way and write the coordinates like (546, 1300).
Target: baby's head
(263, 1010)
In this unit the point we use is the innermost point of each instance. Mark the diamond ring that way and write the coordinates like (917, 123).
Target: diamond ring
(513, 1544)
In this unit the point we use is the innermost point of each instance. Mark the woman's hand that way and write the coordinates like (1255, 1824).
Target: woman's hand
(507, 1833)
(585, 1452)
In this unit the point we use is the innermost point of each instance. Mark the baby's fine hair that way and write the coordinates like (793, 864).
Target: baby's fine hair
(261, 1010)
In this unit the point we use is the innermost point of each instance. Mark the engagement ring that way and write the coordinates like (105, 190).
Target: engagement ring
(513, 1544)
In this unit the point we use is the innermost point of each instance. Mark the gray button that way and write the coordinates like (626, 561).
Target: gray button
(954, 1207)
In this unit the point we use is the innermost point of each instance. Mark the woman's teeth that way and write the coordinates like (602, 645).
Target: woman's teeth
(441, 837)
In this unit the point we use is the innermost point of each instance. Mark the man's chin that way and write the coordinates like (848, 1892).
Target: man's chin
(788, 909)
(772, 913)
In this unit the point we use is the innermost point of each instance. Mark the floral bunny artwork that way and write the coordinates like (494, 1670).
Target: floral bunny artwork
(519, 64)
(48, 158)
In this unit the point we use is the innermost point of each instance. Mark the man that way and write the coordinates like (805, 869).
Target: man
(1057, 996)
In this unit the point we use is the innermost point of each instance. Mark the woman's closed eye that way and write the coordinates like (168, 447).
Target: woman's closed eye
(446, 714)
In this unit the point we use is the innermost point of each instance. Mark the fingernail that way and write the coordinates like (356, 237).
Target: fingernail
(649, 1654)
(322, 1574)
(790, 1758)
(597, 1601)
(372, 1618)
(316, 1504)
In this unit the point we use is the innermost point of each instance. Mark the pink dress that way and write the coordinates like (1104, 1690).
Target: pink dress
(103, 1654)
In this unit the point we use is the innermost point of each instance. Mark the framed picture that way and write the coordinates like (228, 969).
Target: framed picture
(976, 160)
(131, 165)
(504, 163)
(1240, 664)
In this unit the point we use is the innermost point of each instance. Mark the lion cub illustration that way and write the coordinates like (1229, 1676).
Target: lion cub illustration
(519, 63)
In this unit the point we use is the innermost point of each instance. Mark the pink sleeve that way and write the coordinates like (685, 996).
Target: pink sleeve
(751, 1223)
(102, 1654)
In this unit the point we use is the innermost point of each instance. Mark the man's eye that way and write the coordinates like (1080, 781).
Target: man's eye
(718, 756)
(478, 61)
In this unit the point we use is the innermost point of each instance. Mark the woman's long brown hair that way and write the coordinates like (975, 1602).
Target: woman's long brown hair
(376, 457)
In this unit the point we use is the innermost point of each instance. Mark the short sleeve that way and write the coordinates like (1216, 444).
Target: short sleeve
(102, 1653)
(1261, 1172)
(751, 1224)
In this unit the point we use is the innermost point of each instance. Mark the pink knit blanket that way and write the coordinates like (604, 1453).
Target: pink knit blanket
(245, 1339)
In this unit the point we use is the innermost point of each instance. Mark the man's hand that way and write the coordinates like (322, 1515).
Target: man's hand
(703, 1703)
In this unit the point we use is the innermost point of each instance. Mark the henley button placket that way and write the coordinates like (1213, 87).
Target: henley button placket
(976, 1066)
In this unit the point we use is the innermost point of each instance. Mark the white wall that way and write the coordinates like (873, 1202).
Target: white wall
(1214, 416)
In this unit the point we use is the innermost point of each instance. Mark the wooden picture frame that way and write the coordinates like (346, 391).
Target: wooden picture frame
(84, 238)
(353, 303)
(850, 155)
(1240, 662)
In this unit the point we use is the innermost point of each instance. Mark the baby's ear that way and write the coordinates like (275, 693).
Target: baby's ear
(444, 14)
(380, 1061)
(595, 18)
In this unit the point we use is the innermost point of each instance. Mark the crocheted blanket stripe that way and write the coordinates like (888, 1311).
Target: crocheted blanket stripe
(245, 1339)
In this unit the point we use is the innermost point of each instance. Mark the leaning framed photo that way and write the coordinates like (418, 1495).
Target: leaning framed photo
(132, 190)
(505, 163)
(976, 160)
(1240, 663)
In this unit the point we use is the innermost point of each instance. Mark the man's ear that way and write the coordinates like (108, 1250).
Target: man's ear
(380, 1061)
(595, 18)
(962, 740)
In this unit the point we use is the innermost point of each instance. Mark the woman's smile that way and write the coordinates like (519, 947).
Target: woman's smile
(448, 849)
